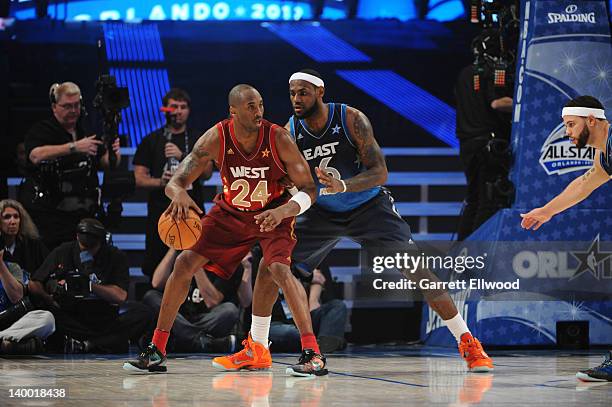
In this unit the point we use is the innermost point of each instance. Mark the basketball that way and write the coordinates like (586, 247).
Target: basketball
(182, 234)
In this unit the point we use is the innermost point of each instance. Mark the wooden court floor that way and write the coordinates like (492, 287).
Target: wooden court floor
(367, 377)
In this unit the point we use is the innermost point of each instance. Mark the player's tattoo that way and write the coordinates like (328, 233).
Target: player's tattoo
(192, 162)
(200, 152)
(369, 151)
(186, 167)
(370, 154)
(587, 174)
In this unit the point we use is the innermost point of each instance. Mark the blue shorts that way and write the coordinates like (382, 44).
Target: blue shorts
(374, 224)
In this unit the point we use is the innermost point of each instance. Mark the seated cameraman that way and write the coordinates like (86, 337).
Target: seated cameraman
(83, 282)
(210, 311)
(22, 330)
(156, 159)
(61, 186)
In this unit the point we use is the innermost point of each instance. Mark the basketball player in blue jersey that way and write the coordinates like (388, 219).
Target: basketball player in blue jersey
(339, 145)
(585, 124)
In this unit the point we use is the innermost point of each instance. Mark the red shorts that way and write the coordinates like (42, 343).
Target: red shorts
(228, 234)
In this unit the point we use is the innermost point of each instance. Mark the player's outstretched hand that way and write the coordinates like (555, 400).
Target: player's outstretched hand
(269, 219)
(535, 218)
(332, 185)
(179, 207)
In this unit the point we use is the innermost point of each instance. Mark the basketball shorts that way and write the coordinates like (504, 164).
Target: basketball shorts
(373, 225)
(228, 234)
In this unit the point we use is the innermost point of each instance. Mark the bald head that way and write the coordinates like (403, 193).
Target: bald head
(238, 92)
(246, 107)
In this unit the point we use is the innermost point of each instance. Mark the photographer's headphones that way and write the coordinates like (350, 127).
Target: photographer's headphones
(53, 93)
(52, 97)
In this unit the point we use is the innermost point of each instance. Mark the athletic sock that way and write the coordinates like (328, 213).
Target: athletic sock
(260, 328)
(160, 339)
(457, 326)
(309, 341)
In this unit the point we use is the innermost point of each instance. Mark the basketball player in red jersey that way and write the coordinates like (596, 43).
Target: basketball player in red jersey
(252, 155)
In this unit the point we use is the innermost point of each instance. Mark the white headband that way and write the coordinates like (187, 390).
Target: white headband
(583, 112)
(303, 76)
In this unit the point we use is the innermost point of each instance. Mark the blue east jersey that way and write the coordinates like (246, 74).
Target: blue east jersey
(606, 157)
(333, 151)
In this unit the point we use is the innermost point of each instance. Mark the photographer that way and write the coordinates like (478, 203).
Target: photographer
(22, 330)
(156, 159)
(61, 184)
(20, 237)
(483, 130)
(83, 282)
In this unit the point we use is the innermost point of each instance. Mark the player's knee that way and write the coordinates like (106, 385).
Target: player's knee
(280, 273)
(185, 266)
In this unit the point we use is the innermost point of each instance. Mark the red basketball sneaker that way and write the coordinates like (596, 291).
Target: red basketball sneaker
(254, 356)
(476, 358)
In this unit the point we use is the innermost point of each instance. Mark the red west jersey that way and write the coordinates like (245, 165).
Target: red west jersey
(250, 181)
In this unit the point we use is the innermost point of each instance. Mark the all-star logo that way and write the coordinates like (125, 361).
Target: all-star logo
(590, 260)
(560, 156)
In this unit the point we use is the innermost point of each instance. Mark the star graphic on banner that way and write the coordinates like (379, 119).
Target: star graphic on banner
(596, 224)
(590, 260)
(265, 153)
(336, 129)
(537, 103)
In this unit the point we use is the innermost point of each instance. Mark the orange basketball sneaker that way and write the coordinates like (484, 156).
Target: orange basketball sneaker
(476, 358)
(254, 356)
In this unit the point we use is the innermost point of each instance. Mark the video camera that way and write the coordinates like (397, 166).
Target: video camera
(13, 313)
(69, 285)
(494, 49)
(110, 99)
